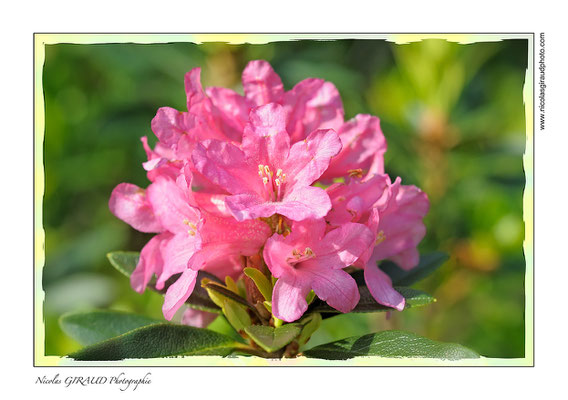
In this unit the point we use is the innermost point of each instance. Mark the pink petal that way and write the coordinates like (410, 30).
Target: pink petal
(289, 299)
(265, 139)
(228, 266)
(225, 237)
(249, 206)
(336, 287)
(380, 286)
(341, 247)
(313, 104)
(350, 202)
(169, 125)
(150, 263)
(363, 147)
(154, 163)
(231, 109)
(172, 206)
(309, 230)
(276, 252)
(261, 84)
(178, 293)
(401, 222)
(176, 254)
(304, 203)
(407, 259)
(130, 203)
(373, 224)
(160, 151)
(212, 203)
(309, 158)
(193, 89)
(198, 318)
(226, 166)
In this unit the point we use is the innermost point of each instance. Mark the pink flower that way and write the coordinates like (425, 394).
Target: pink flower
(309, 259)
(231, 160)
(363, 148)
(189, 239)
(379, 283)
(353, 201)
(394, 215)
(401, 226)
(268, 176)
(396, 222)
(129, 203)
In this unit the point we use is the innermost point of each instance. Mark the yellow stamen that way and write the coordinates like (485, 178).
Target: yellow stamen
(355, 173)
(380, 237)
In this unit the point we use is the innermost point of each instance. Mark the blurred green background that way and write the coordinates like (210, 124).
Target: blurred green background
(453, 116)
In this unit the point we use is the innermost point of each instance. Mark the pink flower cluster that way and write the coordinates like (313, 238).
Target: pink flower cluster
(277, 173)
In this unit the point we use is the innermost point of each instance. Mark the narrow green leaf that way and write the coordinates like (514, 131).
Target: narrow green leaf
(160, 340)
(273, 339)
(237, 316)
(220, 293)
(312, 323)
(390, 344)
(95, 326)
(414, 298)
(231, 285)
(125, 262)
(268, 306)
(261, 282)
(225, 293)
(310, 297)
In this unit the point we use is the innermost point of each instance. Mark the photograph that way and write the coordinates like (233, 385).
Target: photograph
(284, 199)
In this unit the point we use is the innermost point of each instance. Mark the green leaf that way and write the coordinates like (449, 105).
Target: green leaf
(414, 298)
(160, 340)
(268, 306)
(95, 326)
(428, 264)
(390, 344)
(220, 293)
(311, 324)
(222, 326)
(310, 297)
(125, 262)
(231, 285)
(236, 315)
(273, 339)
(261, 282)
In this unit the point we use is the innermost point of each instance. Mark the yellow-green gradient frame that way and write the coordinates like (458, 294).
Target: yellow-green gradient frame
(40, 40)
